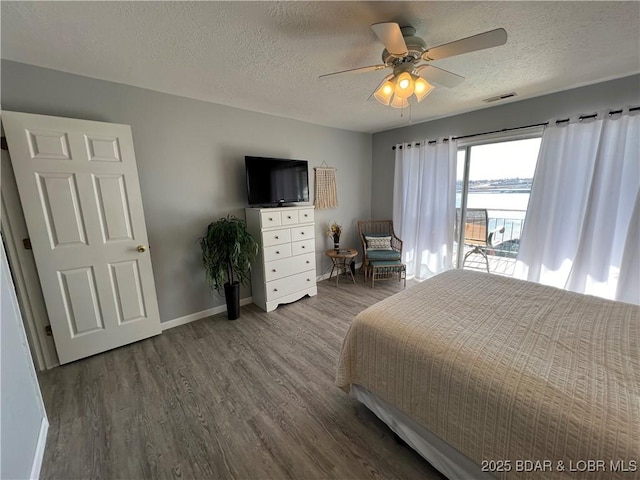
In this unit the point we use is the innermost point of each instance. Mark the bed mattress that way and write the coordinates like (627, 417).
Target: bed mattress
(516, 376)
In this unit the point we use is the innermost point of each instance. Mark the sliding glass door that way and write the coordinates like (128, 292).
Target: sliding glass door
(492, 194)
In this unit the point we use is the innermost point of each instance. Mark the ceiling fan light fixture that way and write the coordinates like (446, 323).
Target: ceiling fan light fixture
(384, 93)
(404, 85)
(422, 88)
(399, 102)
(403, 53)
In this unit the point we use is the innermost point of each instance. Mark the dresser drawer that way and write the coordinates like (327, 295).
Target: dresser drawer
(303, 246)
(305, 215)
(285, 286)
(289, 218)
(276, 237)
(301, 233)
(276, 252)
(289, 266)
(270, 219)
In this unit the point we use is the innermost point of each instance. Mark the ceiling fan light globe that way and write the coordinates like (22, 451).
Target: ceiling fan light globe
(399, 102)
(404, 85)
(422, 88)
(384, 93)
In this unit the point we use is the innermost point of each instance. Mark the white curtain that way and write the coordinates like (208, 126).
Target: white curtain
(424, 206)
(582, 228)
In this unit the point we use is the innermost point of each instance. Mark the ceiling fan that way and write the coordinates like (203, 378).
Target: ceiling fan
(410, 59)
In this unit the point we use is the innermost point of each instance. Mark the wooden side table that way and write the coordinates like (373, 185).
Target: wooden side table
(342, 259)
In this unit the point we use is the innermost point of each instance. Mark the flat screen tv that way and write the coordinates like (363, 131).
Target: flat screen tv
(276, 181)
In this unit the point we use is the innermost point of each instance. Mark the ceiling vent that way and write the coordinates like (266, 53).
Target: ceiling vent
(500, 97)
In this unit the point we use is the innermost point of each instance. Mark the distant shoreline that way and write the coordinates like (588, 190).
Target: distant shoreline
(503, 185)
(500, 190)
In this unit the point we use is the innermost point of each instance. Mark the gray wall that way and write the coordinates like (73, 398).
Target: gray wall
(22, 407)
(191, 165)
(614, 93)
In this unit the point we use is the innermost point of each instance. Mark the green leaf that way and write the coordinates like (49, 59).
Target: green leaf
(227, 252)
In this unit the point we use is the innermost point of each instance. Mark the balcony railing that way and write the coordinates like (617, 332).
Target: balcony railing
(506, 226)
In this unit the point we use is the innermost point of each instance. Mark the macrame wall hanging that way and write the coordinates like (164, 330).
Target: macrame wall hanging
(326, 187)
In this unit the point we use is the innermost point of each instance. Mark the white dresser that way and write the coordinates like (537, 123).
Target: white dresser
(285, 269)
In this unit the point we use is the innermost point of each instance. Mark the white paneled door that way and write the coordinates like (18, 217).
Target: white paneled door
(78, 184)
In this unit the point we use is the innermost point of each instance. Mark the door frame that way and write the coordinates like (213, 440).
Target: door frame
(26, 281)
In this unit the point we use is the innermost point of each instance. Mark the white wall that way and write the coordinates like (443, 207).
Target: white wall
(23, 421)
(191, 166)
(584, 100)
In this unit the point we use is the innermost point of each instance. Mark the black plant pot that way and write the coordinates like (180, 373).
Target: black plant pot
(232, 296)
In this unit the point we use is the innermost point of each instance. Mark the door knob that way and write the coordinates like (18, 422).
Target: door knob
(142, 248)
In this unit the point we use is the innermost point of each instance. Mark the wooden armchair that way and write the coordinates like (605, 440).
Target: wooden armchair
(378, 228)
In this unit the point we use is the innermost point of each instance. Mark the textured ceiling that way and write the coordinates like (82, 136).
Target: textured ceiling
(267, 56)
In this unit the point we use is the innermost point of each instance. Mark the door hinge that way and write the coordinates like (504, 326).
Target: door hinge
(27, 243)
(47, 331)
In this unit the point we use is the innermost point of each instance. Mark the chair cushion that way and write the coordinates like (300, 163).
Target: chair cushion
(388, 263)
(384, 255)
(378, 243)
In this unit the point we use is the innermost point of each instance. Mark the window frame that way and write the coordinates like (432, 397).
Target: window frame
(465, 145)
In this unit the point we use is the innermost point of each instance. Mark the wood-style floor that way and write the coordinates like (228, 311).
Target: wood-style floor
(247, 399)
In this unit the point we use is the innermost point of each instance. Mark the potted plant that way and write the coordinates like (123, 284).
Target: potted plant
(227, 251)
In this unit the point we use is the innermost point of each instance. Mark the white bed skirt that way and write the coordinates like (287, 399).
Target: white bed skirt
(442, 456)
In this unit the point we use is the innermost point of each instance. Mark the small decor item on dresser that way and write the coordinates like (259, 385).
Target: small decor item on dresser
(227, 252)
(334, 231)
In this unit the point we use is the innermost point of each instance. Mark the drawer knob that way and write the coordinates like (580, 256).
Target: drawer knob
(308, 279)
(277, 237)
(277, 253)
(270, 219)
(303, 246)
(288, 216)
(273, 270)
(307, 261)
(306, 215)
(275, 289)
(301, 233)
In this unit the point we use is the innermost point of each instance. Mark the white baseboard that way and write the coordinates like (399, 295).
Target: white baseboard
(176, 322)
(322, 277)
(39, 453)
(326, 275)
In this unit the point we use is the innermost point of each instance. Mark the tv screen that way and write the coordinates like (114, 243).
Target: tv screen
(275, 181)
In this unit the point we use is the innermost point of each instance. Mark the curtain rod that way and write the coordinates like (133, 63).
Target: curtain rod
(545, 124)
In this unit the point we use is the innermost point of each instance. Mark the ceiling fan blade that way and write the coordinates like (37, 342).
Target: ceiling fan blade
(389, 33)
(439, 76)
(370, 68)
(493, 38)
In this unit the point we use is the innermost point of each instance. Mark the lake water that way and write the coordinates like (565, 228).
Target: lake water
(496, 201)
(504, 209)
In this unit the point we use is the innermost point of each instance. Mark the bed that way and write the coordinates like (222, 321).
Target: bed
(490, 376)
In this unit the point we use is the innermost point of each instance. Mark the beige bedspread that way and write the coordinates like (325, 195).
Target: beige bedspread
(507, 370)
